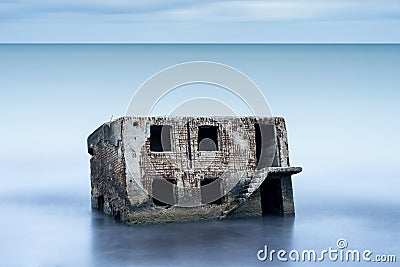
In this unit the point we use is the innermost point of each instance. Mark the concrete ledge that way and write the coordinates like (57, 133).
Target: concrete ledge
(284, 170)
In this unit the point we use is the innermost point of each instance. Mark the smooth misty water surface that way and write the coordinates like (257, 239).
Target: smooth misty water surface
(60, 230)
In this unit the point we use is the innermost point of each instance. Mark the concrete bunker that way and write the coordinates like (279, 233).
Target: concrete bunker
(144, 169)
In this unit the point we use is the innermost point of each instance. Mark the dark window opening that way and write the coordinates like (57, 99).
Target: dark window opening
(163, 193)
(208, 138)
(258, 141)
(91, 150)
(211, 192)
(160, 138)
(189, 147)
(117, 216)
(265, 146)
(100, 203)
(271, 197)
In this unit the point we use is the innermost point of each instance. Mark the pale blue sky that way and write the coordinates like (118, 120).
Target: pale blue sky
(200, 21)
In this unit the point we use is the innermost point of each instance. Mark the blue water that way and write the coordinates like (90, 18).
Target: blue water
(60, 230)
(341, 107)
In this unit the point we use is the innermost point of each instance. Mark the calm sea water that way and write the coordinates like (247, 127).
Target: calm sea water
(60, 230)
(341, 107)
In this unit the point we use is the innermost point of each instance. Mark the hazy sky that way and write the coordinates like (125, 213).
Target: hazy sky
(200, 21)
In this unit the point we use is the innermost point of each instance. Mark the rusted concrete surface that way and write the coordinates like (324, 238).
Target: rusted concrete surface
(254, 174)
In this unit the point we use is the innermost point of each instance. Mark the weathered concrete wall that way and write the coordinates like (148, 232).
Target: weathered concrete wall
(108, 180)
(235, 155)
(250, 208)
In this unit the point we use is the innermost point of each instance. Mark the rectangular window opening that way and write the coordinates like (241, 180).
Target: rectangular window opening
(271, 196)
(160, 138)
(265, 141)
(100, 203)
(208, 138)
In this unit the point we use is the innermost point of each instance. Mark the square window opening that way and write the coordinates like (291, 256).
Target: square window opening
(208, 138)
(160, 138)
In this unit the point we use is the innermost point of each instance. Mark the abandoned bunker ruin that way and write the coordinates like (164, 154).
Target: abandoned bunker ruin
(173, 169)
